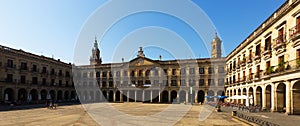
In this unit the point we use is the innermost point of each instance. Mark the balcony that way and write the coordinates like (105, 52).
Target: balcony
(279, 44)
(267, 52)
(283, 67)
(257, 58)
(295, 35)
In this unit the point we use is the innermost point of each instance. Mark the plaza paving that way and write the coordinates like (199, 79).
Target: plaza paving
(118, 114)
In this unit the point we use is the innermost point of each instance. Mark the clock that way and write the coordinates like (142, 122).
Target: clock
(140, 61)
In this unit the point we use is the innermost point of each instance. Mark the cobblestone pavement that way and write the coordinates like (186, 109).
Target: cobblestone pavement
(75, 115)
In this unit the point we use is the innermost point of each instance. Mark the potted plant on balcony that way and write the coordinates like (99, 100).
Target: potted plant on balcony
(281, 66)
(298, 63)
(270, 70)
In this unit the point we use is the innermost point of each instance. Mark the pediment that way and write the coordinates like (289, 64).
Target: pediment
(142, 61)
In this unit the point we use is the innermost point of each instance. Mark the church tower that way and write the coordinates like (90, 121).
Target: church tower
(216, 47)
(95, 58)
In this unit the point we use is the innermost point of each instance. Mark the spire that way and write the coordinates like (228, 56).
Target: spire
(216, 46)
(96, 43)
(95, 58)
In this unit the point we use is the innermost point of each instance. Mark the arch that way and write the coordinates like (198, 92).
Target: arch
(124, 96)
(111, 96)
(66, 95)
(139, 95)
(210, 93)
(155, 96)
(239, 93)
(173, 96)
(131, 96)
(104, 95)
(34, 94)
(251, 95)
(221, 93)
(118, 97)
(22, 94)
(268, 96)
(296, 98)
(182, 96)
(59, 95)
(201, 96)
(8, 95)
(259, 96)
(73, 95)
(44, 94)
(281, 97)
(164, 96)
(147, 96)
(244, 93)
(52, 94)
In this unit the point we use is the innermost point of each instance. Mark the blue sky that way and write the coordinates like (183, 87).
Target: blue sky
(51, 28)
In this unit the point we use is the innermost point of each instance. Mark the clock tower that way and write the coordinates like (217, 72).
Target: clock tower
(95, 59)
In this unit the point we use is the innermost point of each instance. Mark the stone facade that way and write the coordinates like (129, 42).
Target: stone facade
(266, 64)
(27, 77)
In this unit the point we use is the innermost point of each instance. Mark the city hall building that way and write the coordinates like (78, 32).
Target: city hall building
(147, 80)
(266, 65)
(29, 78)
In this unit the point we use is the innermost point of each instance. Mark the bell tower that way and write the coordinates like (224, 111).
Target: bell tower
(95, 58)
(216, 47)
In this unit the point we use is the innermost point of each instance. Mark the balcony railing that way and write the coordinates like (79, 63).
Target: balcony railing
(279, 42)
(295, 32)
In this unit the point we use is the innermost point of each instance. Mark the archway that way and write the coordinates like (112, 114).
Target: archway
(281, 97)
(34, 94)
(131, 95)
(124, 96)
(73, 95)
(52, 94)
(201, 96)
(296, 98)
(239, 94)
(245, 94)
(8, 95)
(155, 96)
(173, 96)
(258, 96)
(147, 95)
(118, 98)
(104, 96)
(139, 95)
(66, 95)
(165, 96)
(211, 95)
(111, 96)
(182, 96)
(59, 95)
(22, 95)
(44, 94)
(268, 96)
(251, 100)
(221, 93)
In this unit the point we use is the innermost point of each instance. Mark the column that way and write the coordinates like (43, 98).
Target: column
(114, 97)
(288, 97)
(143, 96)
(151, 96)
(187, 97)
(247, 100)
(177, 97)
(128, 96)
(254, 96)
(158, 96)
(205, 94)
(196, 97)
(273, 97)
(135, 96)
(242, 100)
(121, 96)
(264, 98)
(169, 96)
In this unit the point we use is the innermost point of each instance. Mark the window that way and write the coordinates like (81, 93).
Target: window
(23, 80)
(201, 70)
(67, 83)
(173, 71)
(9, 78)
(44, 70)
(210, 70)
(52, 71)
(118, 73)
(192, 71)
(132, 73)
(34, 80)
(257, 51)
(104, 84)
(182, 71)
(182, 83)
(201, 82)
(192, 82)
(148, 82)
(298, 54)
(91, 75)
(156, 82)
(84, 75)
(125, 73)
(104, 74)
(166, 72)
(60, 83)
(220, 82)
(111, 84)
(60, 73)
(211, 82)
(268, 43)
(140, 73)
(221, 69)
(148, 73)
(173, 83)
(10, 63)
(52, 82)
(23, 66)
(125, 82)
(68, 74)
(110, 74)
(44, 82)
(156, 72)
(34, 68)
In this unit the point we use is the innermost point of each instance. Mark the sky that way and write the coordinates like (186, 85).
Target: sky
(53, 28)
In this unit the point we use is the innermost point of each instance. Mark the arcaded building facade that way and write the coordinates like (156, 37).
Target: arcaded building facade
(29, 78)
(156, 81)
(266, 65)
